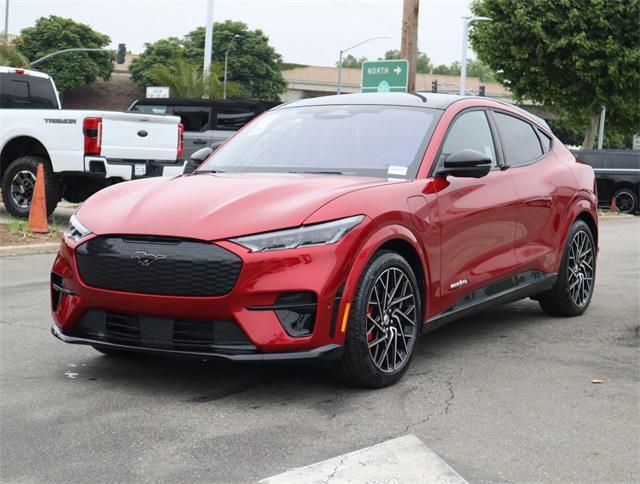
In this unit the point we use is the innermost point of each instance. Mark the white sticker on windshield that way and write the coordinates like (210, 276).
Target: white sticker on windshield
(397, 170)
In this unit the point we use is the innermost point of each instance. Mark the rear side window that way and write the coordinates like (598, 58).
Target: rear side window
(545, 141)
(15, 93)
(151, 109)
(42, 94)
(232, 119)
(19, 91)
(520, 142)
(193, 118)
(470, 131)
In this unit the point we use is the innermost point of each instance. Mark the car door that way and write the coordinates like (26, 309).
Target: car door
(478, 215)
(197, 123)
(545, 187)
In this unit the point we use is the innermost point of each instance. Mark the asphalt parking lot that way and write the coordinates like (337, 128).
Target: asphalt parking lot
(505, 396)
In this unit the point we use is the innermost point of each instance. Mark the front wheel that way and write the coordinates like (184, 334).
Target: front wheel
(572, 291)
(384, 324)
(18, 183)
(626, 200)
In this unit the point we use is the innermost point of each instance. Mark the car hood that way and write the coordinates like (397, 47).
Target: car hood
(215, 206)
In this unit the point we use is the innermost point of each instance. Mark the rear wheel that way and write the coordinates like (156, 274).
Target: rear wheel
(626, 200)
(19, 181)
(384, 324)
(572, 291)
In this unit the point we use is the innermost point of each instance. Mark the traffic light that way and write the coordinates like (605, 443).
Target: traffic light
(482, 91)
(434, 85)
(122, 53)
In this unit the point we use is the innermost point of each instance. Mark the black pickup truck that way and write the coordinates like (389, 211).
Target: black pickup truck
(618, 177)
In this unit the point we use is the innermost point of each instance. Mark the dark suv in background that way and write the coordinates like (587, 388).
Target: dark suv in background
(207, 123)
(617, 175)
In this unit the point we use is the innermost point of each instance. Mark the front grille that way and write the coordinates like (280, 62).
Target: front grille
(153, 265)
(163, 333)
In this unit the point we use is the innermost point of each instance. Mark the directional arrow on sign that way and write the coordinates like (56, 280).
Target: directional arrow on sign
(397, 70)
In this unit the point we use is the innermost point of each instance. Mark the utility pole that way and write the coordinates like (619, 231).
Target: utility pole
(409, 44)
(208, 46)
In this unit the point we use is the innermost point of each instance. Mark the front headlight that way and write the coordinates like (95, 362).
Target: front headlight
(76, 230)
(307, 235)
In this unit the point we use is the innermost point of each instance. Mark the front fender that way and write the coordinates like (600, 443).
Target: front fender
(373, 242)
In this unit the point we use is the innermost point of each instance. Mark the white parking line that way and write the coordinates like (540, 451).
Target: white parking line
(402, 460)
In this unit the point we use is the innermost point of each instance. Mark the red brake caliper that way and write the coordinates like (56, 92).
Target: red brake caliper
(370, 314)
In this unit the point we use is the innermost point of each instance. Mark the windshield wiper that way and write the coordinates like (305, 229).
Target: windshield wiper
(319, 172)
(199, 172)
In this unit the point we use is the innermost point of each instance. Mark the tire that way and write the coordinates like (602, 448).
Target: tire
(367, 326)
(626, 200)
(567, 297)
(18, 181)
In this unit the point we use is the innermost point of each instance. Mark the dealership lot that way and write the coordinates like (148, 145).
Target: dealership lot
(504, 396)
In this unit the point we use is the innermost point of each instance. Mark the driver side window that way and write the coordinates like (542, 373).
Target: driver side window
(470, 131)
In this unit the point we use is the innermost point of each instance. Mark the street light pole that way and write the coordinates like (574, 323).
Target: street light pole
(226, 60)
(339, 86)
(208, 46)
(463, 62)
(603, 114)
(6, 20)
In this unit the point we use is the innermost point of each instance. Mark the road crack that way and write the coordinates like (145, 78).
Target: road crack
(449, 401)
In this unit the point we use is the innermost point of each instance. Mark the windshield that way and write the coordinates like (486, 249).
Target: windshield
(362, 140)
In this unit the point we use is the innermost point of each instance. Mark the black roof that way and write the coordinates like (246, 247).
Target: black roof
(415, 99)
(240, 103)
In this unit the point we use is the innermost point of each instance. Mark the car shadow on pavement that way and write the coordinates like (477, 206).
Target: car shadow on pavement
(200, 380)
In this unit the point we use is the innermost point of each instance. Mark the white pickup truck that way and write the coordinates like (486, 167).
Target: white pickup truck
(81, 151)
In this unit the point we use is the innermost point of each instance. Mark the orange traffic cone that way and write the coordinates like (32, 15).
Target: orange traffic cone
(38, 211)
(613, 208)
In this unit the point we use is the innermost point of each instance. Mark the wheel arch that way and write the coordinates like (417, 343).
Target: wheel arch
(21, 146)
(397, 238)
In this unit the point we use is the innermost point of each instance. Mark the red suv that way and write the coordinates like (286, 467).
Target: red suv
(340, 228)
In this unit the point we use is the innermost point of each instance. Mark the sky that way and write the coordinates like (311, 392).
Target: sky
(303, 31)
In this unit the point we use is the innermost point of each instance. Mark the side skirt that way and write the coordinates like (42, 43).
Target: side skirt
(512, 289)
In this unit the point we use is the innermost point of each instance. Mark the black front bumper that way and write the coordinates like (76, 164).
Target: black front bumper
(329, 352)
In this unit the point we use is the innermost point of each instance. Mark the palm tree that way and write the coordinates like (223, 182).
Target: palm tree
(187, 81)
(10, 56)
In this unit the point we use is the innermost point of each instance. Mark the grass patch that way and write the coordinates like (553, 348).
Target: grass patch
(19, 227)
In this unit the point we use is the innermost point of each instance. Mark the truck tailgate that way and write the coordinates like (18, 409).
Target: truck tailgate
(133, 136)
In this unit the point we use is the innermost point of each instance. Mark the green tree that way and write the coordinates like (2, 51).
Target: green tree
(448, 70)
(423, 63)
(253, 63)
(475, 68)
(161, 53)
(352, 61)
(9, 55)
(572, 56)
(186, 80)
(73, 69)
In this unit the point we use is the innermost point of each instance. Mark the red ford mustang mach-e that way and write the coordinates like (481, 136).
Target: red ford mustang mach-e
(340, 227)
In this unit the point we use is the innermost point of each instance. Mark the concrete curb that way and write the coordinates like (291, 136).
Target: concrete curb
(29, 249)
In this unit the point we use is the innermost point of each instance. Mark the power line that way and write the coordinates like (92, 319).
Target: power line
(380, 12)
(366, 14)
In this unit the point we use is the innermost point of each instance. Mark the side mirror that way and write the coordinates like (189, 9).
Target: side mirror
(466, 164)
(196, 159)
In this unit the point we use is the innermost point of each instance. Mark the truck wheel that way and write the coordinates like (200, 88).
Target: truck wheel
(19, 180)
(626, 200)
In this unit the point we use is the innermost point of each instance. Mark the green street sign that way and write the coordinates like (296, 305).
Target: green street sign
(385, 76)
